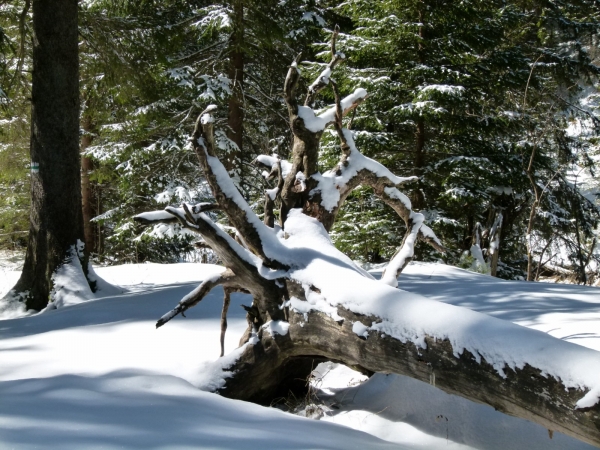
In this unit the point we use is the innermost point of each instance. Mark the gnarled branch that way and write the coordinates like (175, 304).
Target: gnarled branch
(325, 76)
(289, 87)
(227, 279)
(237, 210)
(239, 261)
(355, 169)
(152, 217)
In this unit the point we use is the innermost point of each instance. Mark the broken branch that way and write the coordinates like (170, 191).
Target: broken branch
(324, 77)
(194, 297)
(237, 210)
(289, 86)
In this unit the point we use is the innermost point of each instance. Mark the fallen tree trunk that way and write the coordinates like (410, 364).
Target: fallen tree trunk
(311, 303)
(279, 363)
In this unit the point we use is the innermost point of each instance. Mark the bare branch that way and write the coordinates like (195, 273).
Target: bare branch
(227, 278)
(232, 254)
(289, 87)
(188, 214)
(235, 207)
(165, 216)
(269, 210)
(337, 123)
(153, 217)
(353, 170)
(325, 76)
(180, 214)
(427, 235)
(336, 30)
(280, 179)
(248, 269)
(352, 119)
(226, 301)
(203, 134)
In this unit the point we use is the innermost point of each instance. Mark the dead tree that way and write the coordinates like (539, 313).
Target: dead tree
(311, 303)
(491, 237)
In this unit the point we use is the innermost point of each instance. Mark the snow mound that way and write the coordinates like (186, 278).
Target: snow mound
(410, 317)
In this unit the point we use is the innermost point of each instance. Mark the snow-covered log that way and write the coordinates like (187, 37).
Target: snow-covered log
(312, 303)
(270, 367)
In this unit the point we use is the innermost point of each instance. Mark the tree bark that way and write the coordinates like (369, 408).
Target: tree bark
(418, 200)
(56, 217)
(236, 75)
(88, 200)
(272, 364)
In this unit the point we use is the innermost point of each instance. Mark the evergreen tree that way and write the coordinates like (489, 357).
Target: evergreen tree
(14, 123)
(460, 87)
(186, 52)
(56, 222)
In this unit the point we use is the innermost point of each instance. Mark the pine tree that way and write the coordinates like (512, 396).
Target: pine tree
(14, 123)
(450, 82)
(182, 55)
(56, 222)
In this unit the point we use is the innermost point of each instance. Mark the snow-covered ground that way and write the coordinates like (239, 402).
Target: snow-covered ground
(99, 375)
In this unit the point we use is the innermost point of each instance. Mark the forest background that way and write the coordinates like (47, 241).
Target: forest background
(492, 104)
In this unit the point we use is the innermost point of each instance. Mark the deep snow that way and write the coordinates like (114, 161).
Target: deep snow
(98, 375)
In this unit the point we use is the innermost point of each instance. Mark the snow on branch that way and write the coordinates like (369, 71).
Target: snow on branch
(325, 76)
(272, 163)
(349, 103)
(405, 253)
(165, 216)
(234, 255)
(226, 278)
(259, 238)
(316, 123)
(355, 169)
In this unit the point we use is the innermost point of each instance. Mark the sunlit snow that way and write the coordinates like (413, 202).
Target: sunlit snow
(99, 375)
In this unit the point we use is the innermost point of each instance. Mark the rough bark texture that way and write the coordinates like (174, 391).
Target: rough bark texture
(418, 200)
(56, 216)
(524, 393)
(88, 199)
(236, 75)
(305, 150)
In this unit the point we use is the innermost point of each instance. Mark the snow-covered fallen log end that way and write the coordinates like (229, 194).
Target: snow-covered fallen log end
(337, 313)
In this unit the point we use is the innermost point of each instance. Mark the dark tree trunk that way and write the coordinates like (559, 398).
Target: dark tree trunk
(89, 202)
(56, 217)
(418, 201)
(236, 75)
